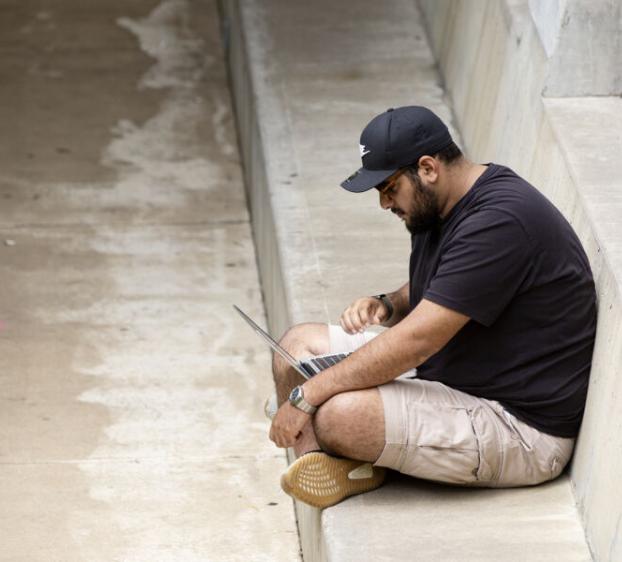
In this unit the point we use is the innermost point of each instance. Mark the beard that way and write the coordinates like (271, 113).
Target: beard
(423, 214)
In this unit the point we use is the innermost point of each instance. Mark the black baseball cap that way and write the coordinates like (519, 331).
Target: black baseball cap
(395, 139)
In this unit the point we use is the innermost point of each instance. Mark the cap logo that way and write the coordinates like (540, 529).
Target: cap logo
(363, 150)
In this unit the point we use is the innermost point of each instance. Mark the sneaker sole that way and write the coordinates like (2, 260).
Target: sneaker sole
(320, 480)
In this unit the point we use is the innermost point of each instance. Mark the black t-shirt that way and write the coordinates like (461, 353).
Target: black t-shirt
(508, 259)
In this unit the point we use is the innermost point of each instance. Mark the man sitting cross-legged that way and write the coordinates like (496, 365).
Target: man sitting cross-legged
(481, 377)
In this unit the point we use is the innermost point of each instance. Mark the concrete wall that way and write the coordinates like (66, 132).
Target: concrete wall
(548, 18)
(495, 67)
(257, 167)
(584, 42)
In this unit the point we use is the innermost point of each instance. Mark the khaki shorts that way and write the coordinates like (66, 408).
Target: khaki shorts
(438, 433)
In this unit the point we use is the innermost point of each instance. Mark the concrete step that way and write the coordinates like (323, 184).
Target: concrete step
(306, 78)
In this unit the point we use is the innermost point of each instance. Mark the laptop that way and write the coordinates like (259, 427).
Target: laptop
(306, 367)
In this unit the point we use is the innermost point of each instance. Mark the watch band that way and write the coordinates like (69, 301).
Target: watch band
(387, 303)
(297, 399)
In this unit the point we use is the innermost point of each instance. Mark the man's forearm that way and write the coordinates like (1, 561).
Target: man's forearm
(380, 361)
(424, 331)
(400, 300)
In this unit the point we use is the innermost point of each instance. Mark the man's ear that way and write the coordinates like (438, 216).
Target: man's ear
(428, 168)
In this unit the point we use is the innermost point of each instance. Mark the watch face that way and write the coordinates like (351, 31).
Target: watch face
(295, 394)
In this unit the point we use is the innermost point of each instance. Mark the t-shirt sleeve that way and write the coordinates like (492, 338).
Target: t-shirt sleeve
(483, 266)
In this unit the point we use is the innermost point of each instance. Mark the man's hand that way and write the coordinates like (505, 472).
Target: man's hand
(362, 313)
(287, 425)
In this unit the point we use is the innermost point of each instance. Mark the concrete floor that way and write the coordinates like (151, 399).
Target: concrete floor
(131, 425)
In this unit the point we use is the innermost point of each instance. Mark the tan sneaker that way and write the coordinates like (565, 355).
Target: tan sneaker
(321, 480)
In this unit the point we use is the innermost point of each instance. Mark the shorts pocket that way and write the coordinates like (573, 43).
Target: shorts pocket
(526, 435)
(442, 444)
(556, 468)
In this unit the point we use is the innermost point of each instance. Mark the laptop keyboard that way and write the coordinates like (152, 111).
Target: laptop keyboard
(314, 365)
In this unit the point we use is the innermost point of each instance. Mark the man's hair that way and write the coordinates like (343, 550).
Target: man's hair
(450, 154)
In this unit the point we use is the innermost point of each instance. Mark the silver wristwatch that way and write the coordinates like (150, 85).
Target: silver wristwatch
(297, 399)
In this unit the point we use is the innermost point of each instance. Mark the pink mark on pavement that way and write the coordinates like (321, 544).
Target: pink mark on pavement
(2, 325)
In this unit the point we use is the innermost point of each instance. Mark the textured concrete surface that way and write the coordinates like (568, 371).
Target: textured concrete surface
(426, 522)
(569, 148)
(584, 43)
(306, 80)
(588, 132)
(131, 423)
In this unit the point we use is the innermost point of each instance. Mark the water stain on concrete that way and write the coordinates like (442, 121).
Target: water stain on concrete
(124, 416)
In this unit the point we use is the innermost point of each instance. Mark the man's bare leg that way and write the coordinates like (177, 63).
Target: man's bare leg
(302, 340)
(351, 425)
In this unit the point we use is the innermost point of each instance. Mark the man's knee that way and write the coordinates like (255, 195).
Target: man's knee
(302, 340)
(330, 417)
(351, 421)
(335, 411)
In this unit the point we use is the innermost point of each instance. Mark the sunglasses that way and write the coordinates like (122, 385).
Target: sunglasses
(387, 187)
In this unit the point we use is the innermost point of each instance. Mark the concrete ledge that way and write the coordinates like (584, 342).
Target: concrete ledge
(408, 520)
(305, 79)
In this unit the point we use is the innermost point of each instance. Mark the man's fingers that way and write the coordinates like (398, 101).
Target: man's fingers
(275, 437)
(287, 426)
(359, 315)
(346, 321)
(283, 440)
(275, 434)
(380, 314)
(364, 318)
(367, 314)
